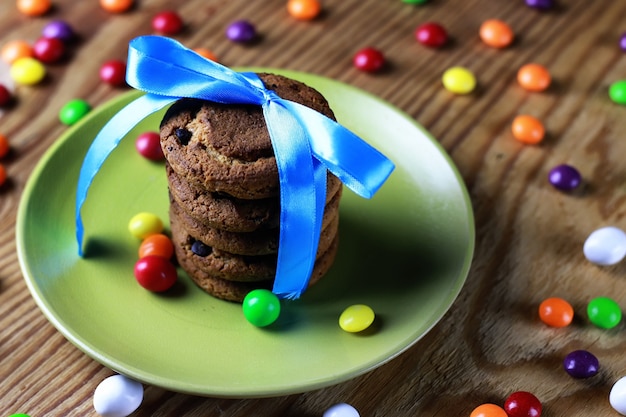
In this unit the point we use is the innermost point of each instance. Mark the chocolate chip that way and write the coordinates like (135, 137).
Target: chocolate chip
(200, 249)
(183, 135)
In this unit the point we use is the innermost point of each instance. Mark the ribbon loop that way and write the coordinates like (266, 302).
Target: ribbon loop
(306, 144)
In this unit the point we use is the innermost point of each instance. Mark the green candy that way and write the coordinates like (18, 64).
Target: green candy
(261, 307)
(604, 312)
(617, 92)
(73, 111)
(415, 1)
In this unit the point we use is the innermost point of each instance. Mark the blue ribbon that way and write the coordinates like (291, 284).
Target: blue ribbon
(305, 142)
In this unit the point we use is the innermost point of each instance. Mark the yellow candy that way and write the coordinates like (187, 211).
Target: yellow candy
(356, 318)
(145, 224)
(459, 80)
(27, 71)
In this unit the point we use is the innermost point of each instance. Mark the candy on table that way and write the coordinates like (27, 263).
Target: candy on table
(534, 77)
(144, 224)
(117, 396)
(155, 273)
(496, 33)
(617, 396)
(556, 312)
(488, 410)
(19, 415)
(369, 60)
(431, 34)
(3, 174)
(605, 246)
(356, 318)
(622, 42)
(27, 71)
(148, 144)
(564, 177)
(341, 410)
(16, 49)
(4, 146)
(540, 4)
(117, 6)
(581, 364)
(157, 244)
(33, 7)
(59, 29)
(207, 53)
(167, 22)
(49, 50)
(459, 80)
(617, 92)
(604, 312)
(527, 129)
(5, 95)
(304, 9)
(261, 307)
(415, 1)
(241, 31)
(522, 404)
(113, 72)
(73, 111)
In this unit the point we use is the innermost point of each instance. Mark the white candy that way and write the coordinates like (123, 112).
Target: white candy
(605, 246)
(617, 397)
(341, 410)
(117, 396)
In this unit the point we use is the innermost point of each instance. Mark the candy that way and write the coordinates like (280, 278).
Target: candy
(207, 53)
(4, 146)
(617, 92)
(581, 364)
(496, 33)
(459, 80)
(556, 312)
(19, 415)
(241, 31)
(617, 396)
(113, 72)
(261, 307)
(148, 144)
(522, 404)
(415, 1)
(73, 111)
(58, 29)
(341, 410)
(369, 60)
(534, 77)
(116, 6)
(604, 312)
(564, 177)
(3, 174)
(27, 71)
(304, 9)
(144, 224)
(540, 4)
(488, 410)
(155, 273)
(117, 396)
(527, 129)
(157, 245)
(14, 50)
(605, 246)
(431, 34)
(356, 318)
(167, 23)
(5, 95)
(622, 42)
(48, 50)
(33, 7)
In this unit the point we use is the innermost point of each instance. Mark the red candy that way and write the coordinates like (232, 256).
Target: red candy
(431, 34)
(155, 273)
(5, 95)
(369, 60)
(113, 72)
(149, 146)
(49, 50)
(522, 404)
(167, 23)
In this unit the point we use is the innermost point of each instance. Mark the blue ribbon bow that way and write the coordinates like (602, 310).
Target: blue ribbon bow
(305, 142)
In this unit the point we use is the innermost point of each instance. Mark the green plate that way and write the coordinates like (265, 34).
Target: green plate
(405, 253)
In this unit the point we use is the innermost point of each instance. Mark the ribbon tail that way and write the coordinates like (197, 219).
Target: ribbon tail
(104, 143)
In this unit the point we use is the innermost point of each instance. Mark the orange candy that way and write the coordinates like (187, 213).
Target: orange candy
(4, 146)
(534, 77)
(116, 6)
(157, 245)
(496, 33)
(556, 312)
(304, 9)
(3, 175)
(528, 129)
(33, 7)
(206, 53)
(14, 50)
(488, 410)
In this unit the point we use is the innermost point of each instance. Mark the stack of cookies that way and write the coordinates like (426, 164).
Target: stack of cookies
(224, 192)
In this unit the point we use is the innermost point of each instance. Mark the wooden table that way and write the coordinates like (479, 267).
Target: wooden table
(529, 236)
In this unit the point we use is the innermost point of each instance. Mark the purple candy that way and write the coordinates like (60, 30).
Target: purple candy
(581, 364)
(58, 29)
(540, 4)
(622, 42)
(564, 177)
(241, 31)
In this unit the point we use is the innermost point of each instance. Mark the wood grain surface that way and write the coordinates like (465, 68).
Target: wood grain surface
(529, 236)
